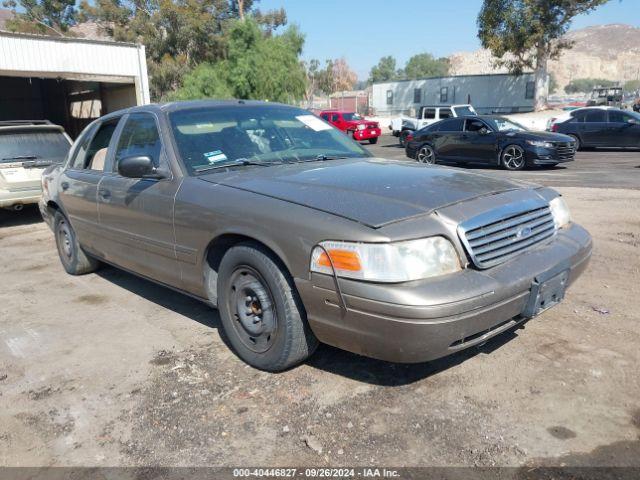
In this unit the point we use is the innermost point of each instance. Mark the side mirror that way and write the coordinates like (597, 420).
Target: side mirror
(139, 166)
(483, 131)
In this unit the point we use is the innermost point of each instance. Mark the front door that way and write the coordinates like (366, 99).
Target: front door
(478, 142)
(623, 131)
(136, 214)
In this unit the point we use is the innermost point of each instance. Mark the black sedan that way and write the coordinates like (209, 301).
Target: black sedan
(490, 140)
(600, 127)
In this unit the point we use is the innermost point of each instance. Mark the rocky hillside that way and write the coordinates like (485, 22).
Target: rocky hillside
(603, 51)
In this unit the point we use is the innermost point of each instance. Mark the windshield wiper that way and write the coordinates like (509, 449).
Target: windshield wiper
(236, 163)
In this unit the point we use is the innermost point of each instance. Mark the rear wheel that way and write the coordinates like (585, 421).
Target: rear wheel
(261, 312)
(73, 258)
(373, 140)
(513, 157)
(426, 154)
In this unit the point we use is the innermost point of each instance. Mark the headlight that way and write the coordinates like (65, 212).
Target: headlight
(540, 143)
(361, 127)
(560, 212)
(387, 262)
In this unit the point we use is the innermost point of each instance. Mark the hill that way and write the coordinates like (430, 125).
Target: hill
(604, 51)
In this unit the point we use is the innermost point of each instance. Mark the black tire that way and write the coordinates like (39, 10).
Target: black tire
(577, 140)
(373, 140)
(73, 258)
(426, 154)
(262, 315)
(513, 157)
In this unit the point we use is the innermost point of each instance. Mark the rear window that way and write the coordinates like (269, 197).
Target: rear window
(464, 111)
(33, 145)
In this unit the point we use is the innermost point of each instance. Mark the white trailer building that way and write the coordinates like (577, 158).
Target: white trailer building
(495, 93)
(69, 81)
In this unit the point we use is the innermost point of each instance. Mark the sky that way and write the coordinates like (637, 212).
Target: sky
(364, 31)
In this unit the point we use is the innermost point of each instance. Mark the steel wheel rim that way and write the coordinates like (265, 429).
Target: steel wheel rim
(64, 240)
(514, 157)
(426, 155)
(253, 311)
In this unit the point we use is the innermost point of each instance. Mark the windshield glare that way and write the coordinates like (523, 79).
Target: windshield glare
(267, 134)
(351, 117)
(503, 125)
(46, 145)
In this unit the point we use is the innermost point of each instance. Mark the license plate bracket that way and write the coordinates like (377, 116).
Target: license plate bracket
(547, 290)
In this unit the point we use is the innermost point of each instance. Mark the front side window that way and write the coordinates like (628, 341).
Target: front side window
(621, 117)
(389, 97)
(444, 94)
(474, 125)
(335, 117)
(140, 137)
(417, 95)
(212, 137)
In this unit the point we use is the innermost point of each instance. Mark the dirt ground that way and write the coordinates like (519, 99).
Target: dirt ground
(111, 370)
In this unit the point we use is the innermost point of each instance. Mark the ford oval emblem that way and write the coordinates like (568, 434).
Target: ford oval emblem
(524, 232)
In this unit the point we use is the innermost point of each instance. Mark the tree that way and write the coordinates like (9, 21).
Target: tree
(384, 71)
(525, 34)
(425, 65)
(632, 86)
(41, 16)
(585, 85)
(257, 66)
(341, 75)
(553, 83)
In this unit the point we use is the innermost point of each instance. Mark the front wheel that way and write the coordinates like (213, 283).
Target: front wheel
(577, 140)
(373, 140)
(513, 158)
(426, 154)
(262, 315)
(73, 258)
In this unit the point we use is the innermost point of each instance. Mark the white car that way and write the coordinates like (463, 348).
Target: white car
(567, 115)
(27, 147)
(427, 115)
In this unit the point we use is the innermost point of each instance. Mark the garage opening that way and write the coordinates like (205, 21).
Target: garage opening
(70, 103)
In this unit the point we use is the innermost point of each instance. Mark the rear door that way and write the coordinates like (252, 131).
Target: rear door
(25, 152)
(624, 130)
(449, 136)
(78, 187)
(592, 127)
(136, 214)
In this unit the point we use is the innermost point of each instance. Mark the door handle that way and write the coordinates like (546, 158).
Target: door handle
(64, 185)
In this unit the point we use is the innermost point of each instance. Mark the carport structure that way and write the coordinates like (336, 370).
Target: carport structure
(69, 81)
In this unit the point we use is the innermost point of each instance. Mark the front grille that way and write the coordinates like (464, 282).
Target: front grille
(565, 151)
(500, 235)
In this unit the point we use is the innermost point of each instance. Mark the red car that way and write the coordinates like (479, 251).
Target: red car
(353, 124)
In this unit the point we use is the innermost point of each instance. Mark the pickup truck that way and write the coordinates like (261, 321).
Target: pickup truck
(427, 115)
(353, 125)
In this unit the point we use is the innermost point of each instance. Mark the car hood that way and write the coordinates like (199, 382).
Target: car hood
(544, 136)
(371, 191)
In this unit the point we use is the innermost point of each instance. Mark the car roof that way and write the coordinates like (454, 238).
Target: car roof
(22, 125)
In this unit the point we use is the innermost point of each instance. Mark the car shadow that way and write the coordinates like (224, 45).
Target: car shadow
(326, 358)
(27, 216)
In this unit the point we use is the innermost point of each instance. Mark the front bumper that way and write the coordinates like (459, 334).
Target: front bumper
(548, 156)
(424, 320)
(9, 199)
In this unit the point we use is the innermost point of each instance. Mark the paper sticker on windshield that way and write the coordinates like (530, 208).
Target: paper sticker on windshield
(215, 156)
(314, 123)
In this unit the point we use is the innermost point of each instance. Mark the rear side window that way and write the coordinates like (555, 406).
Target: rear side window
(325, 116)
(445, 113)
(430, 113)
(595, 116)
(33, 145)
(140, 137)
(451, 125)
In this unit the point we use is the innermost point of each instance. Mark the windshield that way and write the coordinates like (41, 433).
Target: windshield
(213, 137)
(33, 145)
(501, 124)
(464, 111)
(352, 117)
